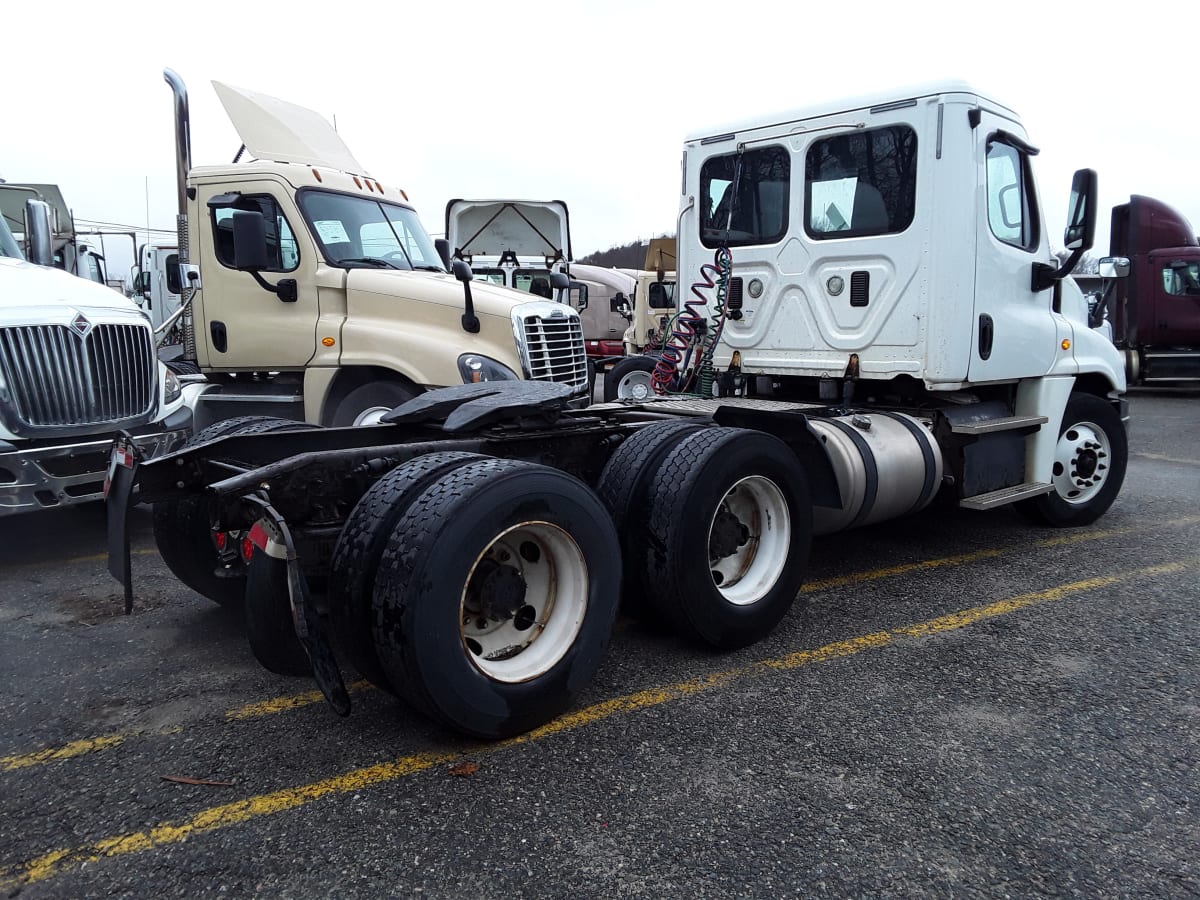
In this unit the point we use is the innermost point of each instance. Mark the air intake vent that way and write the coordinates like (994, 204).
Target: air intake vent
(554, 350)
(860, 288)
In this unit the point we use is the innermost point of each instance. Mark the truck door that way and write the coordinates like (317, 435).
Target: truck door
(246, 327)
(1175, 276)
(1015, 332)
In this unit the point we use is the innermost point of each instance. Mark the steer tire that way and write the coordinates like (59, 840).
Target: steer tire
(616, 379)
(728, 534)
(1092, 435)
(182, 530)
(269, 623)
(360, 546)
(370, 401)
(622, 488)
(489, 536)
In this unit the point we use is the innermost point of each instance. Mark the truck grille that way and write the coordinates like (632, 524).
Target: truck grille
(55, 378)
(553, 349)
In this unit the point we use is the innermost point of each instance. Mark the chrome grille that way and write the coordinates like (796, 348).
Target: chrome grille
(57, 379)
(554, 349)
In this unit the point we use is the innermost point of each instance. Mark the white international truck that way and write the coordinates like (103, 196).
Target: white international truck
(311, 288)
(875, 319)
(652, 315)
(77, 365)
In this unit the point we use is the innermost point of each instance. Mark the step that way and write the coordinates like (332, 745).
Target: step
(1007, 495)
(214, 397)
(1008, 423)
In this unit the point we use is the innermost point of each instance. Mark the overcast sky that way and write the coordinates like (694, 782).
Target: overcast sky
(586, 102)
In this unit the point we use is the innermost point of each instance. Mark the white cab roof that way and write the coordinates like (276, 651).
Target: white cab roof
(849, 105)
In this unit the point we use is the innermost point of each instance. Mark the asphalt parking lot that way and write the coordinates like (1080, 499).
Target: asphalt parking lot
(960, 705)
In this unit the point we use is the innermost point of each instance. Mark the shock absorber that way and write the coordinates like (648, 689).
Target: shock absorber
(690, 337)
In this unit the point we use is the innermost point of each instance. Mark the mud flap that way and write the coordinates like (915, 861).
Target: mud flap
(307, 620)
(123, 461)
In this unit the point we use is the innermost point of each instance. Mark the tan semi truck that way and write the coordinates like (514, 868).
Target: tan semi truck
(651, 316)
(312, 291)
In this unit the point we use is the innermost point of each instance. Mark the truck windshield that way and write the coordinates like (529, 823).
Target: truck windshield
(8, 243)
(360, 231)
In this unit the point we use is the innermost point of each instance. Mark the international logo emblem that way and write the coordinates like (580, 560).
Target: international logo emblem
(81, 325)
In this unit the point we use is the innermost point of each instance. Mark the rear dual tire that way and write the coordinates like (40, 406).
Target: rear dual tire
(495, 596)
(716, 525)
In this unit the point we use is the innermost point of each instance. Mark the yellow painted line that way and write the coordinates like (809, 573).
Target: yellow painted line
(282, 704)
(239, 812)
(66, 751)
(295, 701)
(1076, 537)
(109, 741)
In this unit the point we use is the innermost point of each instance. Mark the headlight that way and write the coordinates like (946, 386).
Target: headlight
(171, 386)
(475, 368)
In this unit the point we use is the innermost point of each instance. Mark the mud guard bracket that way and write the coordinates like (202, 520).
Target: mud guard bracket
(123, 462)
(307, 621)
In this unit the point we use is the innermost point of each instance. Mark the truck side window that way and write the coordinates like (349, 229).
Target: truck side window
(1182, 279)
(662, 295)
(174, 284)
(1010, 196)
(744, 197)
(281, 242)
(491, 276)
(861, 184)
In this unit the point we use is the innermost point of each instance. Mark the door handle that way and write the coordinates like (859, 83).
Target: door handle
(986, 335)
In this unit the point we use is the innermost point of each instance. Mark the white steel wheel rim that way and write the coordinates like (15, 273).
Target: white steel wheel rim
(746, 574)
(635, 386)
(1081, 462)
(372, 415)
(530, 643)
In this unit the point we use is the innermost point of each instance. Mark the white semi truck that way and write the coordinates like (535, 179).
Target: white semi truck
(870, 315)
(77, 365)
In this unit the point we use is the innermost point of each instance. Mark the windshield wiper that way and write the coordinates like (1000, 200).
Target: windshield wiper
(430, 269)
(371, 261)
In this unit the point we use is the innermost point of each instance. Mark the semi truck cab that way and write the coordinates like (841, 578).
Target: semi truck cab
(313, 291)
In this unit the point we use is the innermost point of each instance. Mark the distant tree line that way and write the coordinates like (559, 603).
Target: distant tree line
(623, 256)
(1087, 265)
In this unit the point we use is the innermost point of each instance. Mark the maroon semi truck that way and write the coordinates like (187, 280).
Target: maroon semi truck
(1155, 311)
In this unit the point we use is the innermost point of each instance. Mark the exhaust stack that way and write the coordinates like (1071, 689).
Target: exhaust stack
(188, 275)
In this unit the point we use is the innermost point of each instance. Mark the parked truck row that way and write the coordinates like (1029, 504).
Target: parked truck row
(77, 365)
(868, 316)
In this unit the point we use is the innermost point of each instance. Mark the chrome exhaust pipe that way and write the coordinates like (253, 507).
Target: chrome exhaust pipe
(183, 165)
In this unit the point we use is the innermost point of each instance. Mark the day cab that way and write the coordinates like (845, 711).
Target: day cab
(317, 293)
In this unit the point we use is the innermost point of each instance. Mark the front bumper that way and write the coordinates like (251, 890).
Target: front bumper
(55, 474)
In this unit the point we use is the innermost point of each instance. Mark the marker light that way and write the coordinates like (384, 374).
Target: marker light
(328, 342)
(1066, 344)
